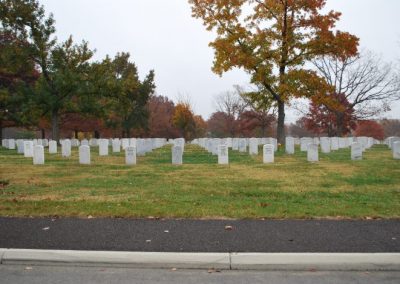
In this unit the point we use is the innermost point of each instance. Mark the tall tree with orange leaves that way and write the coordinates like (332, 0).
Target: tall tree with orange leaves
(272, 40)
(183, 119)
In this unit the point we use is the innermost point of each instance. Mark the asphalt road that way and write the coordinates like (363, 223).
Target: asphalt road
(58, 274)
(201, 235)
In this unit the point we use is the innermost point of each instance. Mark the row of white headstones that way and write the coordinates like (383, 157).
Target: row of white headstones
(133, 147)
(357, 145)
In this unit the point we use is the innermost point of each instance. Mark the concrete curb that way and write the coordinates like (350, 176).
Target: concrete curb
(223, 261)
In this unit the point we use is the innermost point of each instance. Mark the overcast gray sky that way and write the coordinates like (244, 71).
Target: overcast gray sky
(162, 35)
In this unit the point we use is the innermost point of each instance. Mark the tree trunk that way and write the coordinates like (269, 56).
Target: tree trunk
(76, 134)
(43, 133)
(339, 124)
(54, 125)
(280, 131)
(128, 133)
(1, 130)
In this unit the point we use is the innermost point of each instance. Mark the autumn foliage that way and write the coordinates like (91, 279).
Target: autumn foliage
(272, 40)
(335, 118)
(370, 128)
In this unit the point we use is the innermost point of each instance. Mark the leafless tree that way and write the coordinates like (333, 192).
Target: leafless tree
(232, 105)
(368, 83)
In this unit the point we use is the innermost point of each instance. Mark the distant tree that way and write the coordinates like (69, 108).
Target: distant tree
(232, 105)
(127, 105)
(272, 40)
(161, 111)
(391, 127)
(369, 128)
(324, 118)
(183, 119)
(256, 123)
(364, 80)
(200, 126)
(298, 129)
(260, 112)
(220, 125)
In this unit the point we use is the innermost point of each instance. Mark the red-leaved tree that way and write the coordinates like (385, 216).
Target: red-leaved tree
(370, 128)
(333, 118)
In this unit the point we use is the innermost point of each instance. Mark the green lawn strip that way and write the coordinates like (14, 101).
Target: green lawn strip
(289, 188)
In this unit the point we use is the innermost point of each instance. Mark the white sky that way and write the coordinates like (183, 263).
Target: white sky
(162, 35)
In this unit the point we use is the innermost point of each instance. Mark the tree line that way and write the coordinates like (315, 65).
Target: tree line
(289, 48)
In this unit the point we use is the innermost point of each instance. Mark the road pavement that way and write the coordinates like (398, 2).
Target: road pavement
(17, 274)
(168, 235)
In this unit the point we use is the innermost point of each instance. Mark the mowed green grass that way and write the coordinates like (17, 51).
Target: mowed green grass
(335, 187)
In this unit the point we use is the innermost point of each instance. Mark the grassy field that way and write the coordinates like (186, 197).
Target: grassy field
(335, 187)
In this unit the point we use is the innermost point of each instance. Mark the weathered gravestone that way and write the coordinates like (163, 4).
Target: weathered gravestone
(356, 151)
(253, 146)
(177, 153)
(312, 153)
(289, 145)
(223, 154)
(103, 147)
(268, 153)
(396, 150)
(130, 155)
(28, 149)
(325, 143)
(84, 155)
(85, 142)
(53, 147)
(66, 148)
(38, 155)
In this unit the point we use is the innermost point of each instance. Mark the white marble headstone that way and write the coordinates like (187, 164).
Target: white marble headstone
(396, 150)
(11, 144)
(52, 147)
(312, 153)
(253, 146)
(20, 146)
(66, 148)
(38, 155)
(325, 144)
(289, 145)
(356, 151)
(116, 145)
(130, 155)
(334, 143)
(268, 153)
(242, 145)
(223, 154)
(84, 155)
(28, 149)
(177, 153)
(103, 147)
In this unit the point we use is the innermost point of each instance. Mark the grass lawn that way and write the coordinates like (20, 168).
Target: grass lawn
(335, 187)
